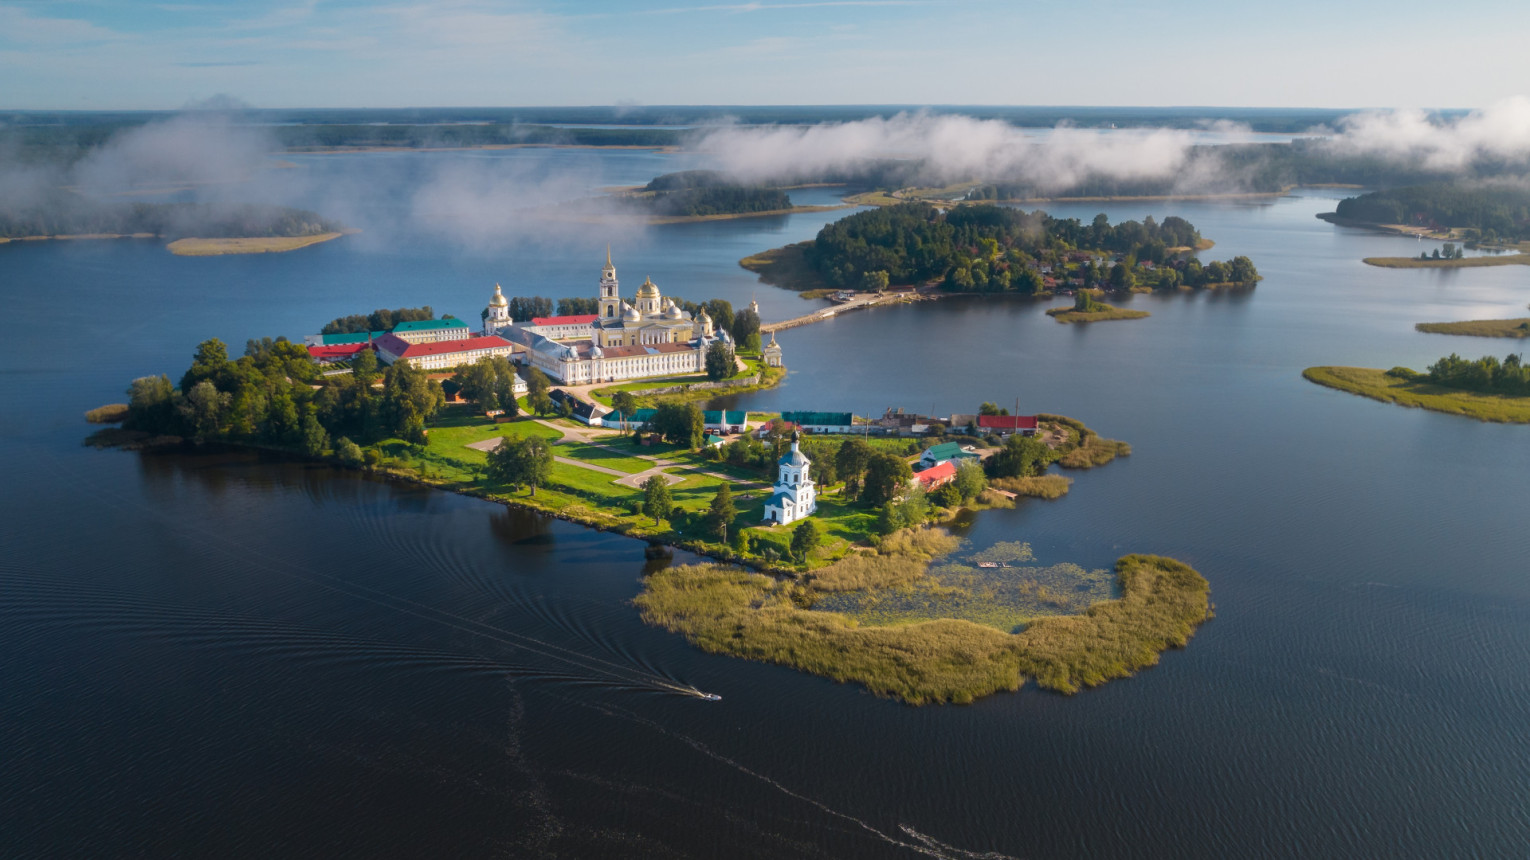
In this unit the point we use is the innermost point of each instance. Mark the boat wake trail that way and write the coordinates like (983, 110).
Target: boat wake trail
(920, 844)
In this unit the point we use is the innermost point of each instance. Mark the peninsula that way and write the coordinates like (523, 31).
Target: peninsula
(1486, 389)
(839, 517)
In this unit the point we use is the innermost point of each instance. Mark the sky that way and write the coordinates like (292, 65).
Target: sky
(139, 54)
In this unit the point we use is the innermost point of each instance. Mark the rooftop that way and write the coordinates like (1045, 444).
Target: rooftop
(837, 419)
(350, 337)
(1007, 422)
(428, 325)
(576, 319)
(404, 349)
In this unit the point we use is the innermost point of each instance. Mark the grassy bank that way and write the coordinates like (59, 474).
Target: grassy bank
(1081, 447)
(1066, 314)
(1035, 487)
(248, 245)
(731, 611)
(1461, 263)
(1377, 385)
(1519, 327)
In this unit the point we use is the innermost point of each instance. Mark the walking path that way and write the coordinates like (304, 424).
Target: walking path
(626, 479)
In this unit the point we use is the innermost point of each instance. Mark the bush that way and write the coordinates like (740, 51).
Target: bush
(1406, 373)
(349, 453)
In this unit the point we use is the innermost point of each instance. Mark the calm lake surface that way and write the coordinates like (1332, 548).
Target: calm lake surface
(220, 654)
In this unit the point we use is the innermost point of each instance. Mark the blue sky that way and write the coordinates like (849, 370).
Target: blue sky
(113, 54)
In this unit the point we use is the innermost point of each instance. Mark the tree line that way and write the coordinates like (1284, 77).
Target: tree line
(381, 319)
(65, 213)
(1492, 212)
(266, 396)
(1487, 374)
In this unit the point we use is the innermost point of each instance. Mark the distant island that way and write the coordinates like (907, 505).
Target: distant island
(1086, 308)
(194, 229)
(1486, 389)
(983, 248)
(706, 195)
(1517, 327)
(1493, 217)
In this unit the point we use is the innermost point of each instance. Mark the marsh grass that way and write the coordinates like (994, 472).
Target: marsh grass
(1036, 487)
(1519, 327)
(731, 611)
(1462, 263)
(111, 413)
(1377, 385)
(1083, 448)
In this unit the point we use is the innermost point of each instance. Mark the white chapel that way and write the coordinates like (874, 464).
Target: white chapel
(795, 495)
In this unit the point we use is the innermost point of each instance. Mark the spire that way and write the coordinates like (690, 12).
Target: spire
(608, 256)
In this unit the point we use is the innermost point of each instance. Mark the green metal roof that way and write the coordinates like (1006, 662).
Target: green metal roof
(351, 337)
(428, 325)
(822, 419)
(715, 416)
(947, 451)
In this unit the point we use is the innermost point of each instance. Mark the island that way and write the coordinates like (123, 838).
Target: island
(1517, 327)
(1486, 389)
(827, 531)
(192, 229)
(983, 248)
(1087, 308)
(1492, 217)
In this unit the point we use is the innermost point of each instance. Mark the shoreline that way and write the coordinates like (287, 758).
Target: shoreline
(191, 246)
(1376, 384)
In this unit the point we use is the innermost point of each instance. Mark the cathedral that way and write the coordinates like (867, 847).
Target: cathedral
(651, 336)
(795, 496)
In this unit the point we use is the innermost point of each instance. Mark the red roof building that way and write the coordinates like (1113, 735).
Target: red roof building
(1006, 424)
(936, 476)
(441, 353)
(576, 319)
(331, 353)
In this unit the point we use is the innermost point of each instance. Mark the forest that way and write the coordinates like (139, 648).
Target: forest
(266, 397)
(1489, 212)
(994, 248)
(381, 319)
(63, 213)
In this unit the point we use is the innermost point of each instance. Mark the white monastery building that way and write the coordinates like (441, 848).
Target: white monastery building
(795, 495)
(650, 337)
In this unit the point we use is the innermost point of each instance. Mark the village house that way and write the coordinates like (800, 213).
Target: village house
(1005, 425)
(441, 354)
(945, 452)
(936, 476)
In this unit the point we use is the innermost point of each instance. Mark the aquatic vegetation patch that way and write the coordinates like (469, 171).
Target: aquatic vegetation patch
(728, 610)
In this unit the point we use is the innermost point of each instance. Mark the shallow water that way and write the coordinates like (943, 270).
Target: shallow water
(221, 654)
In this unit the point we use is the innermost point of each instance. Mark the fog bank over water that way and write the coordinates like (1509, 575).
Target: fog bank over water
(954, 148)
(485, 201)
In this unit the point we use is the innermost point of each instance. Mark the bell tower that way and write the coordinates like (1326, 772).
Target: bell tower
(610, 293)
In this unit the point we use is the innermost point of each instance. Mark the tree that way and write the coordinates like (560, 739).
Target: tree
(364, 367)
(679, 423)
(970, 480)
(907, 512)
(1021, 456)
(522, 462)
(805, 539)
(349, 453)
(886, 476)
(211, 363)
(656, 498)
(1241, 270)
(989, 409)
(874, 282)
(624, 404)
(1121, 277)
(409, 400)
(540, 402)
(947, 495)
(719, 361)
(566, 408)
(204, 408)
(721, 512)
(314, 439)
(851, 462)
(746, 330)
(151, 405)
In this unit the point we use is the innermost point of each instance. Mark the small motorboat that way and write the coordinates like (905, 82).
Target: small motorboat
(711, 697)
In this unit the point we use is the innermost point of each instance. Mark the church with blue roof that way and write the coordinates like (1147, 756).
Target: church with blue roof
(795, 495)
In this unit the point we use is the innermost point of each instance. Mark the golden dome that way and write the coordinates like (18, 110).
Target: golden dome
(648, 290)
(499, 299)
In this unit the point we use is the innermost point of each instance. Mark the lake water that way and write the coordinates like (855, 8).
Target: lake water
(221, 654)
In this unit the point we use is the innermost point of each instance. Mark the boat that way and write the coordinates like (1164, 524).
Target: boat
(711, 697)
